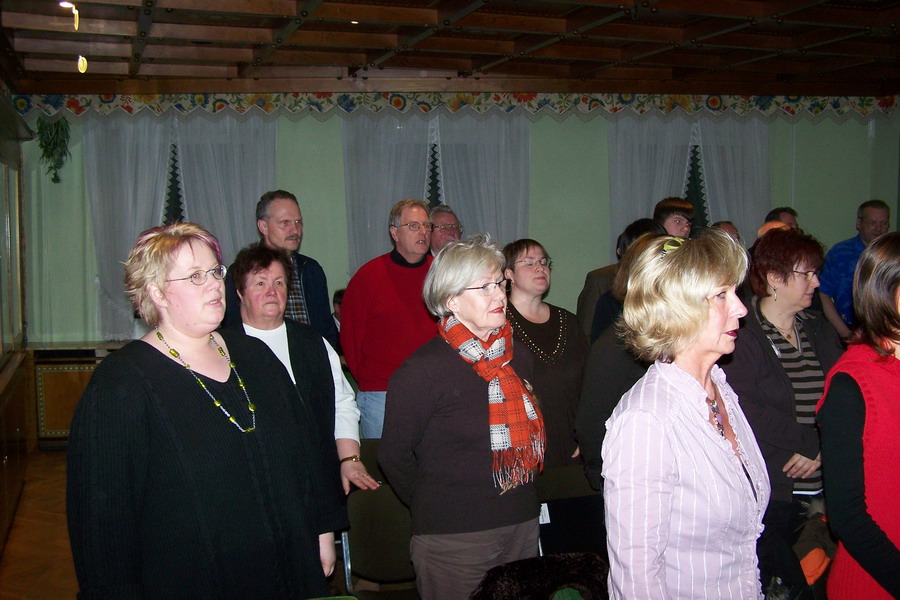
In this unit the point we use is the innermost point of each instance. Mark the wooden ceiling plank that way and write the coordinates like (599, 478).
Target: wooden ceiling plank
(640, 32)
(396, 15)
(738, 39)
(684, 59)
(303, 58)
(572, 52)
(720, 8)
(410, 61)
(210, 33)
(588, 20)
(340, 38)
(272, 8)
(97, 66)
(852, 47)
(70, 47)
(713, 28)
(514, 23)
(64, 24)
(199, 53)
(838, 17)
(205, 71)
(439, 43)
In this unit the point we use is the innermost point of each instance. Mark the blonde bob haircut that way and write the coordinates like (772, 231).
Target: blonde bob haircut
(457, 266)
(667, 303)
(152, 256)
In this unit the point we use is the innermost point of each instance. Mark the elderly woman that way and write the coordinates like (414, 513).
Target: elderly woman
(859, 420)
(778, 371)
(556, 340)
(463, 437)
(190, 472)
(261, 278)
(685, 484)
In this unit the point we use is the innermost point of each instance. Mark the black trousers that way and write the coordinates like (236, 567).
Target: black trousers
(775, 546)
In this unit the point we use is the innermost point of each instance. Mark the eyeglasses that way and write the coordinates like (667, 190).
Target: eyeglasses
(456, 228)
(808, 275)
(415, 226)
(531, 263)
(488, 289)
(199, 277)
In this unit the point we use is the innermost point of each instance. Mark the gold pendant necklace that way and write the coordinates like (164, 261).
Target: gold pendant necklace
(177, 356)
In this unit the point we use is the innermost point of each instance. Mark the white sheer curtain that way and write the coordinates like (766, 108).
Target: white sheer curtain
(736, 171)
(227, 163)
(125, 163)
(485, 166)
(648, 160)
(385, 160)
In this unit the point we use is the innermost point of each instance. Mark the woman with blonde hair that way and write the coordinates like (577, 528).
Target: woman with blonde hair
(190, 469)
(685, 484)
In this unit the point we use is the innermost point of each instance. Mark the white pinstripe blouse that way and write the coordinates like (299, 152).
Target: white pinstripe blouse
(681, 514)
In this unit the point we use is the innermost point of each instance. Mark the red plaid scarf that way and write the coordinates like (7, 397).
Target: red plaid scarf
(516, 424)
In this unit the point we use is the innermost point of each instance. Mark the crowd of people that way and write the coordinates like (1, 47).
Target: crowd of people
(715, 396)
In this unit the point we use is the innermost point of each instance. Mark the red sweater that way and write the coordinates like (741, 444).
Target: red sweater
(384, 319)
(864, 512)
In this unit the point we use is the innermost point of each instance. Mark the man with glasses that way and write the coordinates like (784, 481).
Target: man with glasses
(873, 218)
(446, 227)
(383, 317)
(280, 225)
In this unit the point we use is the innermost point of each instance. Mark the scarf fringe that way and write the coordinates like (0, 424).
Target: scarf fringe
(517, 466)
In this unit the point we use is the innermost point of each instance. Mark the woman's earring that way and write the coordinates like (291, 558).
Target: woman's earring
(775, 293)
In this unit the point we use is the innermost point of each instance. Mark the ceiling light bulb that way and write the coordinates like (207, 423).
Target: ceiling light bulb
(67, 5)
(354, 22)
(82, 64)
(75, 14)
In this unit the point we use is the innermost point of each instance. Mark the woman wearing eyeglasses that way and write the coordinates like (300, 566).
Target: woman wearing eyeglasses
(191, 473)
(554, 337)
(778, 368)
(685, 484)
(463, 438)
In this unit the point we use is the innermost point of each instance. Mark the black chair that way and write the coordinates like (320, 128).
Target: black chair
(542, 577)
(575, 511)
(376, 547)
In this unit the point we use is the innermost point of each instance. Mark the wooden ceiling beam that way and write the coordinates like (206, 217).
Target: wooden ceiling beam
(395, 15)
(64, 24)
(337, 39)
(840, 17)
(139, 41)
(638, 32)
(439, 43)
(580, 52)
(96, 66)
(71, 47)
(301, 10)
(308, 58)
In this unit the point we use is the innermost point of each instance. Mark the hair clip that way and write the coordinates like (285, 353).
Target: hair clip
(671, 244)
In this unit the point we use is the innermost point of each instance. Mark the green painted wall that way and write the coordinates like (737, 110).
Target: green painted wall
(825, 170)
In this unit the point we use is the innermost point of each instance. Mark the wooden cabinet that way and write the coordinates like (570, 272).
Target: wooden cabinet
(13, 434)
(61, 373)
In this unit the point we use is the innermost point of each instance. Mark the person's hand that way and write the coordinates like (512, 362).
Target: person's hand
(577, 452)
(327, 554)
(356, 473)
(800, 467)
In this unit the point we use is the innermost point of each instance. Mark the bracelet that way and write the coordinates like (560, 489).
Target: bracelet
(354, 458)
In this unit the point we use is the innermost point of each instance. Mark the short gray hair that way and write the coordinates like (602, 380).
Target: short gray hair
(441, 209)
(397, 210)
(454, 269)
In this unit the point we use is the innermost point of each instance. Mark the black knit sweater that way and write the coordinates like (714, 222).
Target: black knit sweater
(167, 499)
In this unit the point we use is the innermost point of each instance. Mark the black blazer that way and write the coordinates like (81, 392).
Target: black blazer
(767, 396)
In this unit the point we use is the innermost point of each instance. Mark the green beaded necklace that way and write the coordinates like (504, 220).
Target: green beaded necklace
(177, 356)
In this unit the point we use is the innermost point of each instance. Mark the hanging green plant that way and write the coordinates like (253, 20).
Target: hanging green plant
(53, 138)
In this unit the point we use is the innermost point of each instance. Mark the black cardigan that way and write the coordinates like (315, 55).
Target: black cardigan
(767, 396)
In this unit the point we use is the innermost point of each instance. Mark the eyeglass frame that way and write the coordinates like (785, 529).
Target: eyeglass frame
(205, 274)
(428, 225)
(496, 284)
(807, 274)
(451, 227)
(543, 262)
